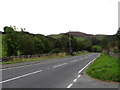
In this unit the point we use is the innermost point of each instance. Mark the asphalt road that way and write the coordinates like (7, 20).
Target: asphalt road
(60, 73)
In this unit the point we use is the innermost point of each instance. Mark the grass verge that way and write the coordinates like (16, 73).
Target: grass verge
(105, 68)
(51, 57)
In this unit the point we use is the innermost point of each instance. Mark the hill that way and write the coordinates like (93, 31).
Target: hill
(78, 35)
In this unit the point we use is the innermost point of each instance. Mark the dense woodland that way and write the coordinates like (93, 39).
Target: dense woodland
(15, 43)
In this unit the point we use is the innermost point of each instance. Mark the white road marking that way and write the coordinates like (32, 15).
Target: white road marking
(20, 76)
(5, 69)
(59, 65)
(75, 80)
(74, 61)
(22, 66)
(25, 65)
(69, 86)
(81, 71)
(79, 76)
(88, 64)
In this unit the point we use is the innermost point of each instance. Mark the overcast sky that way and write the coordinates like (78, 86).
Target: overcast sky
(59, 16)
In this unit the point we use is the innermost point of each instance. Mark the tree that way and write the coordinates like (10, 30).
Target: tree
(75, 45)
(87, 45)
(96, 48)
(26, 45)
(95, 41)
(10, 41)
(39, 45)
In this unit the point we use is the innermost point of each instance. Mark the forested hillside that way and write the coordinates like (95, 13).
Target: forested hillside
(15, 43)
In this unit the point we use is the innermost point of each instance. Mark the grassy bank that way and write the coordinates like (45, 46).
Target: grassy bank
(105, 68)
(51, 57)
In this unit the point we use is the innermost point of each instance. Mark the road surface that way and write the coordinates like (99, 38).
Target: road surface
(60, 73)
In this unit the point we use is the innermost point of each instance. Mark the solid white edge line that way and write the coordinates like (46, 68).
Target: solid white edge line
(20, 76)
(88, 64)
(79, 75)
(69, 86)
(82, 70)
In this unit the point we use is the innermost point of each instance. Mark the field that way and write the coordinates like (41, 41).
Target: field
(105, 68)
(80, 38)
(56, 36)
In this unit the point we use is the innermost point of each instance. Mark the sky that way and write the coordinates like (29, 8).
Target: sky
(59, 16)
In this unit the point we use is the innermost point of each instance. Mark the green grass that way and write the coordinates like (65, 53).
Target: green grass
(80, 38)
(51, 57)
(105, 68)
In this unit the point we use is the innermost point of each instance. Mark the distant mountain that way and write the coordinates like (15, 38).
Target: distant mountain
(81, 34)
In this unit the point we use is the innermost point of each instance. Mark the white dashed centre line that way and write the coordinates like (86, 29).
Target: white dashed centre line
(81, 71)
(20, 76)
(59, 65)
(23, 66)
(74, 61)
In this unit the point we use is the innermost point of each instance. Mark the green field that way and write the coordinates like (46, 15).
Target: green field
(80, 38)
(105, 68)
(56, 36)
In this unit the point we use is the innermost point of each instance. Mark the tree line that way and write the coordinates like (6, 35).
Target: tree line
(17, 43)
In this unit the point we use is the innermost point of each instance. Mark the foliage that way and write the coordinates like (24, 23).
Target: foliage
(10, 41)
(96, 48)
(95, 41)
(24, 43)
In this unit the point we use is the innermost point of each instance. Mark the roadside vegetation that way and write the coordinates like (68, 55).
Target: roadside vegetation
(20, 60)
(50, 57)
(16, 43)
(19, 42)
(105, 68)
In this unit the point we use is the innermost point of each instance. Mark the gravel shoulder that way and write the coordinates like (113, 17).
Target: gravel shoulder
(85, 81)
